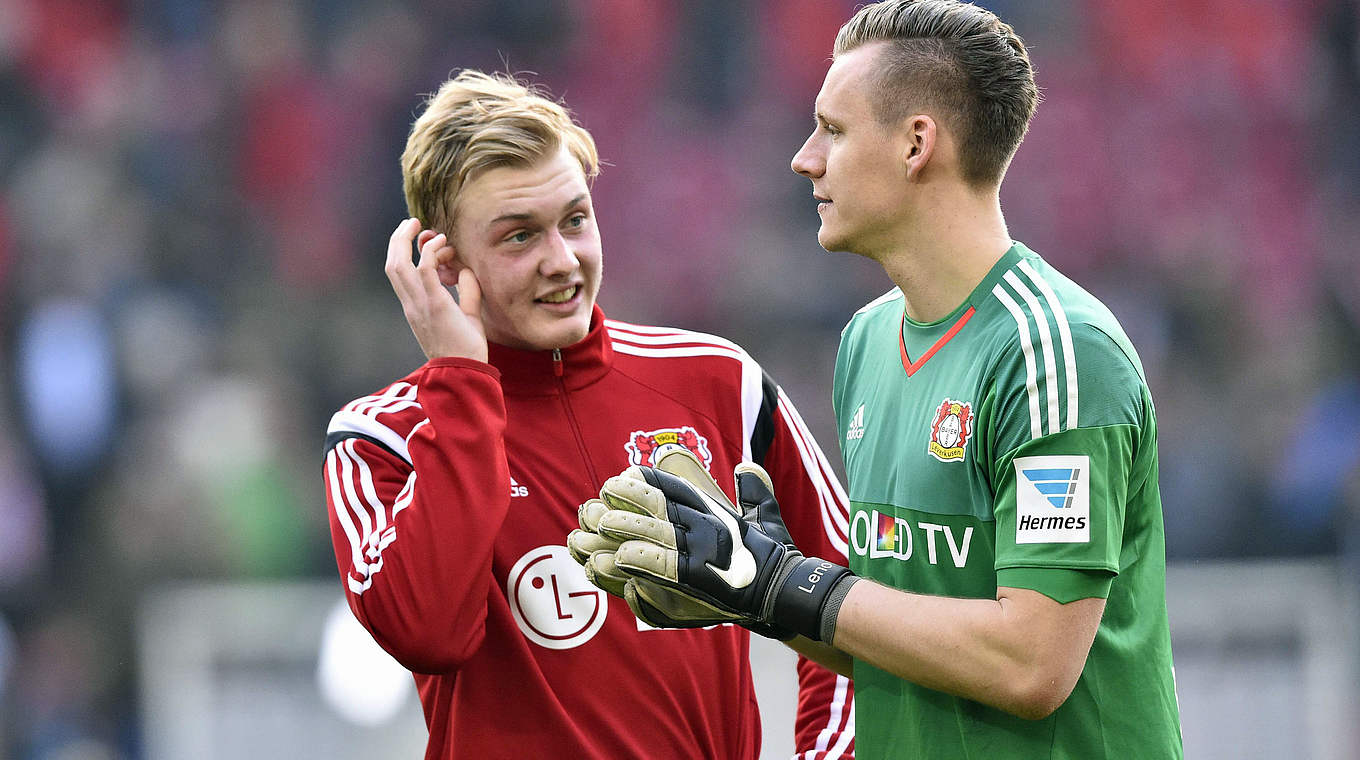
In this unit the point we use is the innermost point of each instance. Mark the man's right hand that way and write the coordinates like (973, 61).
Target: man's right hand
(442, 325)
(651, 602)
(677, 535)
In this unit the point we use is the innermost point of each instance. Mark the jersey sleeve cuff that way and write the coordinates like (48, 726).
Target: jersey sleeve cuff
(462, 362)
(1061, 584)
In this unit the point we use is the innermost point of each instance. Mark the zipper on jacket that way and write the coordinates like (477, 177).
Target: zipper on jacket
(571, 415)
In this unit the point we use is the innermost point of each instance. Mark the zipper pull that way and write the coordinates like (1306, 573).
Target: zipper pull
(557, 362)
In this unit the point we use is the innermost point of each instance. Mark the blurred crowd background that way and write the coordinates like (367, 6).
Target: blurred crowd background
(195, 199)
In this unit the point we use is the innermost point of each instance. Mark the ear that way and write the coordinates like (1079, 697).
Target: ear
(448, 264)
(446, 259)
(920, 136)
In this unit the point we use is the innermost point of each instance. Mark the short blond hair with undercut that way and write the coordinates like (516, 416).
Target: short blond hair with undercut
(478, 121)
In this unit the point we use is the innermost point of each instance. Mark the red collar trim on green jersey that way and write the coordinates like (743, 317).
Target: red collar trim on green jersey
(910, 366)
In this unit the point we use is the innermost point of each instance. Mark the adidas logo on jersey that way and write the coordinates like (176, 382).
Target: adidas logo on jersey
(517, 490)
(856, 430)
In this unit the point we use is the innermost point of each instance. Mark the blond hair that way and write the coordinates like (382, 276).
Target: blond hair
(958, 58)
(479, 121)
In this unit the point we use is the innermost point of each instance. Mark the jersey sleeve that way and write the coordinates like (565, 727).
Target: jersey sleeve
(415, 504)
(815, 509)
(1063, 481)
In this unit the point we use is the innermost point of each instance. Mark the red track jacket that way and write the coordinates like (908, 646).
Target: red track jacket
(452, 491)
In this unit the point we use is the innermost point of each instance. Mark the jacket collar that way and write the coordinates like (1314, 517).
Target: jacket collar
(536, 373)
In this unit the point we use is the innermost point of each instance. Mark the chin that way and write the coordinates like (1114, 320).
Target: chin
(829, 242)
(842, 243)
(568, 332)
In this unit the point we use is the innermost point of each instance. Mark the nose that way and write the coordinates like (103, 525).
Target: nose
(559, 259)
(809, 161)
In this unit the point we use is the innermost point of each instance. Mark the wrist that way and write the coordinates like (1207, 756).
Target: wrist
(810, 590)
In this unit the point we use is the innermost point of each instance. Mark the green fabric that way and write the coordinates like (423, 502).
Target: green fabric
(1060, 585)
(1022, 452)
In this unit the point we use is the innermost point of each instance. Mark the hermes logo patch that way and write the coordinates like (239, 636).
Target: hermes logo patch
(1053, 500)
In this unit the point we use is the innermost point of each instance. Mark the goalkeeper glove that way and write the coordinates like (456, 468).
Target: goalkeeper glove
(652, 603)
(677, 535)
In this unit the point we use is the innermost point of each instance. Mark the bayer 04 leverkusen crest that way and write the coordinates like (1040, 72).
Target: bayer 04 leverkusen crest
(950, 431)
(646, 446)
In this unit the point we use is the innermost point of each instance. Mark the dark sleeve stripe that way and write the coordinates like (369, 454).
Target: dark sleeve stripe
(340, 436)
(762, 435)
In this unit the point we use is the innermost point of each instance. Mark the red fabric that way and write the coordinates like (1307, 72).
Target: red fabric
(469, 558)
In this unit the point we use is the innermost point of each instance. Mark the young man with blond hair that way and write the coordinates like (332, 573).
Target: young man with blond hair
(1005, 595)
(452, 490)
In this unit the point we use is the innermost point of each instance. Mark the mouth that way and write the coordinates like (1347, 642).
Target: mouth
(560, 296)
(822, 202)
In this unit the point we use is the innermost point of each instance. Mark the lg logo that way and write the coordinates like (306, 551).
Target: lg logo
(553, 603)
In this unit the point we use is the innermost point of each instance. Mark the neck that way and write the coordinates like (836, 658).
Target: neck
(938, 262)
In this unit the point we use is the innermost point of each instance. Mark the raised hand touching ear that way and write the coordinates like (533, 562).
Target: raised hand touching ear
(443, 325)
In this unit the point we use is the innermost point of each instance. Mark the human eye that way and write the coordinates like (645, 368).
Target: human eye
(575, 222)
(820, 124)
(518, 237)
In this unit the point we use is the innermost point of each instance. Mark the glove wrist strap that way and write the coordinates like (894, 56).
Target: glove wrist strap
(803, 595)
(832, 609)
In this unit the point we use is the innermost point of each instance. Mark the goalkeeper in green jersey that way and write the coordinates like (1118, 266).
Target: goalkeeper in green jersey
(1005, 595)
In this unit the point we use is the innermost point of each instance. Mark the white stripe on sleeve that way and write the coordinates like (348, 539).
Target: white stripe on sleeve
(356, 505)
(366, 483)
(356, 422)
(843, 735)
(677, 351)
(835, 512)
(842, 744)
(1027, 346)
(1065, 333)
(670, 337)
(752, 396)
(342, 507)
(397, 392)
(1046, 343)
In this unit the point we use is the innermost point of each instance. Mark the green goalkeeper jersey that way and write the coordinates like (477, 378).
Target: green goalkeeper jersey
(1012, 443)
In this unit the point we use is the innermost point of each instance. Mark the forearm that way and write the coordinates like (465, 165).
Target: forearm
(871, 628)
(827, 656)
(1021, 652)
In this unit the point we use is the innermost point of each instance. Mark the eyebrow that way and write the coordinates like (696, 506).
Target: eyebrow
(524, 216)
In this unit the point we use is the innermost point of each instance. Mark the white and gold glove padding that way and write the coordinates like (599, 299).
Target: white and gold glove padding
(672, 527)
(653, 604)
(658, 605)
